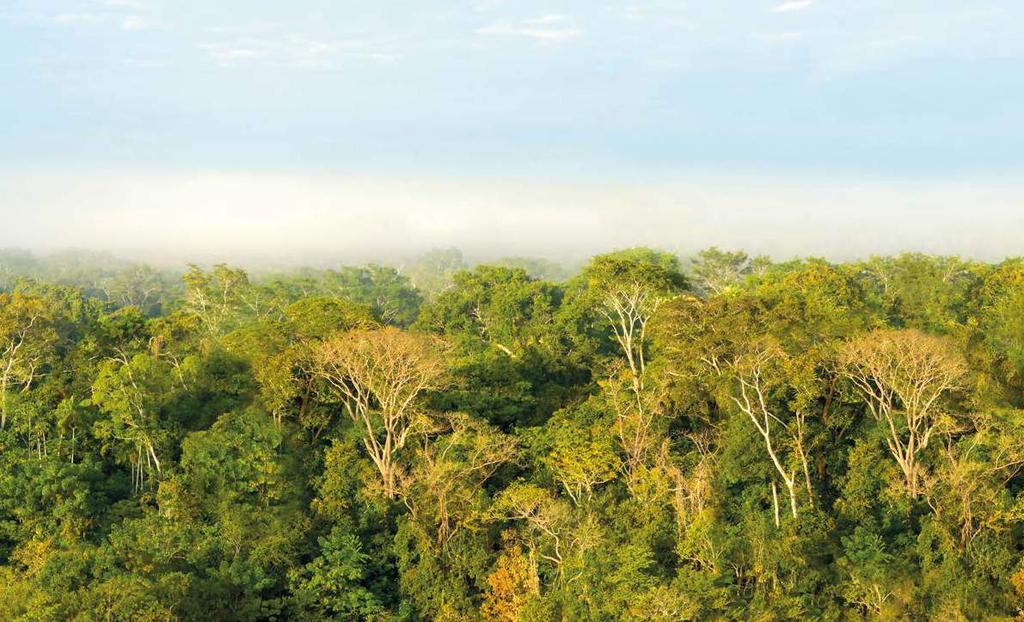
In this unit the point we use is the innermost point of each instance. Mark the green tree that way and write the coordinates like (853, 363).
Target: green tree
(26, 338)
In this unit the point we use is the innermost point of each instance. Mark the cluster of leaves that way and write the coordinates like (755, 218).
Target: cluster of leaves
(646, 440)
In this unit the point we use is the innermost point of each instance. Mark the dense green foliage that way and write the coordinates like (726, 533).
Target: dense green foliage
(726, 439)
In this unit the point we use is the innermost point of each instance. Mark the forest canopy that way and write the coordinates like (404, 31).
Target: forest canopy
(653, 438)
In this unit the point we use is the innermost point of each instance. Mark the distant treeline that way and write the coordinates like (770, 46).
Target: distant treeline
(642, 438)
(125, 282)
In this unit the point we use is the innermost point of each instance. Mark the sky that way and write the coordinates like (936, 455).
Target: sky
(315, 129)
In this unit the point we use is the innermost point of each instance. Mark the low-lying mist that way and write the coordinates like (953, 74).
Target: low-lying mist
(287, 219)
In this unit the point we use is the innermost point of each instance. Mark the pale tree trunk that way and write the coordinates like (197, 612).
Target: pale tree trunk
(775, 503)
(799, 442)
(761, 418)
(628, 311)
(3, 403)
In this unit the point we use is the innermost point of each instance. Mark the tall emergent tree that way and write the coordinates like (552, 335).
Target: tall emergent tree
(381, 375)
(903, 376)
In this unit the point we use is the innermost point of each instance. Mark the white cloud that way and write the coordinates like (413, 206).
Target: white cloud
(482, 6)
(227, 54)
(295, 51)
(544, 34)
(111, 13)
(379, 56)
(143, 63)
(778, 37)
(662, 17)
(634, 13)
(239, 53)
(135, 22)
(792, 5)
(551, 28)
(550, 18)
(77, 18)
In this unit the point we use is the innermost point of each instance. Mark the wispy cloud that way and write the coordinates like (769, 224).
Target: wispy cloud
(135, 22)
(792, 5)
(550, 18)
(227, 54)
(294, 51)
(77, 18)
(778, 37)
(543, 34)
(143, 63)
(114, 15)
(660, 16)
(551, 28)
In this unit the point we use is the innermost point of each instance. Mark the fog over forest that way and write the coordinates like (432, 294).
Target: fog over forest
(287, 219)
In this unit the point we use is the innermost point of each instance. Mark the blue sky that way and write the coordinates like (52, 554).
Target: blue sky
(713, 92)
(900, 88)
